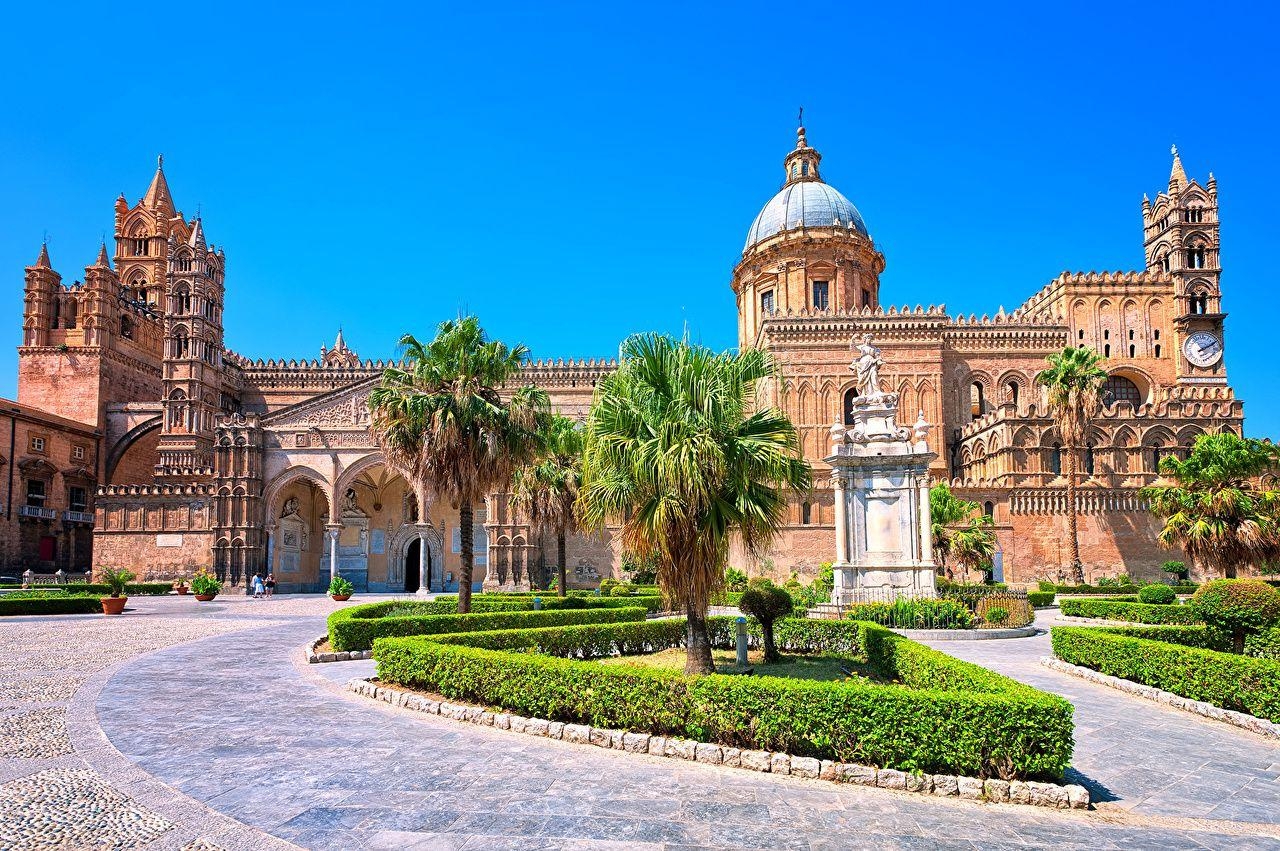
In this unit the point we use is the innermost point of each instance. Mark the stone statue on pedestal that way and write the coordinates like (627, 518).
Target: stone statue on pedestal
(867, 367)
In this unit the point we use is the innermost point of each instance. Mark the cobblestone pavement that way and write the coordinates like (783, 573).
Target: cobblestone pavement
(185, 727)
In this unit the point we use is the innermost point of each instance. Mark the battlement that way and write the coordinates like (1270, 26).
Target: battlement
(185, 489)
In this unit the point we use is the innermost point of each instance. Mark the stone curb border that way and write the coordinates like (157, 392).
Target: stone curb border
(967, 634)
(313, 658)
(1052, 795)
(1252, 723)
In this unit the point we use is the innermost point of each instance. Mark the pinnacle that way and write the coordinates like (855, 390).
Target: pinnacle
(1177, 176)
(103, 260)
(158, 192)
(43, 260)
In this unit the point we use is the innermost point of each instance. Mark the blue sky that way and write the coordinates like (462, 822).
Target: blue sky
(574, 173)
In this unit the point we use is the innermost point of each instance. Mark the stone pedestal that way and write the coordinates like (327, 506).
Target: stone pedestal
(880, 473)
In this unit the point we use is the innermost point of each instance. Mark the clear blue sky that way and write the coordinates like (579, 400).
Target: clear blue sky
(572, 174)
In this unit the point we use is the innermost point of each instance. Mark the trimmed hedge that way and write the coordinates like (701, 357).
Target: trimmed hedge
(1040, 599)
(133, 589)
(1264, 644)
(1226, 680)
(1112, 590)
(1116, 610)
(356, 627)
(945, 715)
(51, 604)
(522, 602)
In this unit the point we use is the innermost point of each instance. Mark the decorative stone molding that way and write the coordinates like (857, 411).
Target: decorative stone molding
(1051, 795)
(1252, 723)
(314, 657)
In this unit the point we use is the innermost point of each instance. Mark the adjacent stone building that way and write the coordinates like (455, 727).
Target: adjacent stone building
(201, 457)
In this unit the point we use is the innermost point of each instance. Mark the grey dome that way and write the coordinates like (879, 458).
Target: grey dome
(807, 203)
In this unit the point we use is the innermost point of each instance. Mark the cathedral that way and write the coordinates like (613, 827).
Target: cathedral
(183, 454)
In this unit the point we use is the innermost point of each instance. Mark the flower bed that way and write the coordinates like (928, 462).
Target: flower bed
(946, 715)
(356, 627)
(1161, 659)
(1119, 610)
(39, 603)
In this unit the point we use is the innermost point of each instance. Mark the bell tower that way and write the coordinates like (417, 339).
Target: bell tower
(1180, 230)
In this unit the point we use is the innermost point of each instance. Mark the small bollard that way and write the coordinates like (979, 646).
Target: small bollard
(742, 642)
(537, 604)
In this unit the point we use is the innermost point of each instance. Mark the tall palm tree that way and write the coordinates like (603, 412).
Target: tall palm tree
(1074, 382)
(1216, 512)
(678, 456)
(441, 423)
(546, 488)
(962, 535)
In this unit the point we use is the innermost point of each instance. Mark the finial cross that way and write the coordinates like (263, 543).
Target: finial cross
(800, 117)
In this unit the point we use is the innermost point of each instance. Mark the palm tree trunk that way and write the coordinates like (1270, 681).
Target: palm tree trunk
(698, 643)
(465, 523)
(560, 565)
(1073, 528)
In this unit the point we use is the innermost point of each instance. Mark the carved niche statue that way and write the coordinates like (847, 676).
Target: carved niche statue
(290, 506)
(349, 500)
(867, 367)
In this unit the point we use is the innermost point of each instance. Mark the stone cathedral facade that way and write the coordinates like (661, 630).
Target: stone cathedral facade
(201, 457)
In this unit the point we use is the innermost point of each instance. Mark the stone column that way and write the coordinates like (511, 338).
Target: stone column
(842, 514)
(271, 549)
(334, 531)
(926, 524)
(424, 581)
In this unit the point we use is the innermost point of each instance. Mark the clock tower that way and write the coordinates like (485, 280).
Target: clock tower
(1181, 242)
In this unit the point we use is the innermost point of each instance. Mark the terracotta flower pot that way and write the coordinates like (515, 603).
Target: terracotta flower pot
(341, 598)
(113, 605)
(182, 589)
(204, 598)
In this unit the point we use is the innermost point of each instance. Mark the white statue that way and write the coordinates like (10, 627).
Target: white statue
(867, 367)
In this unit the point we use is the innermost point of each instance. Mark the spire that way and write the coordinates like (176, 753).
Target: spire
(802, 163)
(339, 344)
(103, 260)
(196, 239)
(158, 192)
(42, 262)
(1177, 177)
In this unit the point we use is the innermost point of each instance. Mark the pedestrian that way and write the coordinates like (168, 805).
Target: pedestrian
(271, 585)
(258, 588)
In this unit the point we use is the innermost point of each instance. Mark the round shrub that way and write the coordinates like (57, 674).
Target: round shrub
(1157, 593)
(620, 590)
(607, 586)
(1238, 606)
(996, 614)
(766, 602)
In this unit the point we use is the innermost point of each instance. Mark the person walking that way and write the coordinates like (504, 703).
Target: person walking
(258, 588)
(271, 585)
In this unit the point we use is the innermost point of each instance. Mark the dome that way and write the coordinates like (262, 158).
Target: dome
(804, 204)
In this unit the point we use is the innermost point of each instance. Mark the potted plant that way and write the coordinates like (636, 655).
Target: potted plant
(116, 579)
(204, 586)
(340, 589)
(180, 585)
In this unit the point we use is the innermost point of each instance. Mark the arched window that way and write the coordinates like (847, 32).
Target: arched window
(140, 247)
(1089, 462)
(1195, 258)
(1055, 459)
(1106, 350)
(57, 313)
(850, 396)
(181, 344)
(977, 404)
(1117, 388)
(1012, 389)
(126, 327)
(1132, 350)
(1199, 303)
(989, 508)
(806, 513)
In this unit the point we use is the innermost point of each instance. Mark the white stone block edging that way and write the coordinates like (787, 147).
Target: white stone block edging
(1252, 723)
(313, 657)
(966, 634)
(1052, 795)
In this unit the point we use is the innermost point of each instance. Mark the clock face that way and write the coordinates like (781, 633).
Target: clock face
(1203, 349)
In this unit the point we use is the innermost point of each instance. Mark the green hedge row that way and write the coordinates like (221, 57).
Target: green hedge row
(1112, 590)
(941, 714)
(1264, 644)
(140, 589)
(1039, 599)
(355, 628)
(518, 602)
(1226, 680)
(57, 604)
(1133, 612)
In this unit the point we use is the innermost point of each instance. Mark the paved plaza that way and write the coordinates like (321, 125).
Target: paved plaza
(197, 726)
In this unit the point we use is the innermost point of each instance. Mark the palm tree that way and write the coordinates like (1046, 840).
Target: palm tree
(1216, 513)
(441, 423)
(962, 535)
(1074, 381)
(546, 488)
(677, 455)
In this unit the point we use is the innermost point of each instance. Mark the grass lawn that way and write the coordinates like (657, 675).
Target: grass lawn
(827, 668)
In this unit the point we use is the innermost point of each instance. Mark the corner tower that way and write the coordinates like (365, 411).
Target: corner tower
(808, 252)
(1180, 239)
